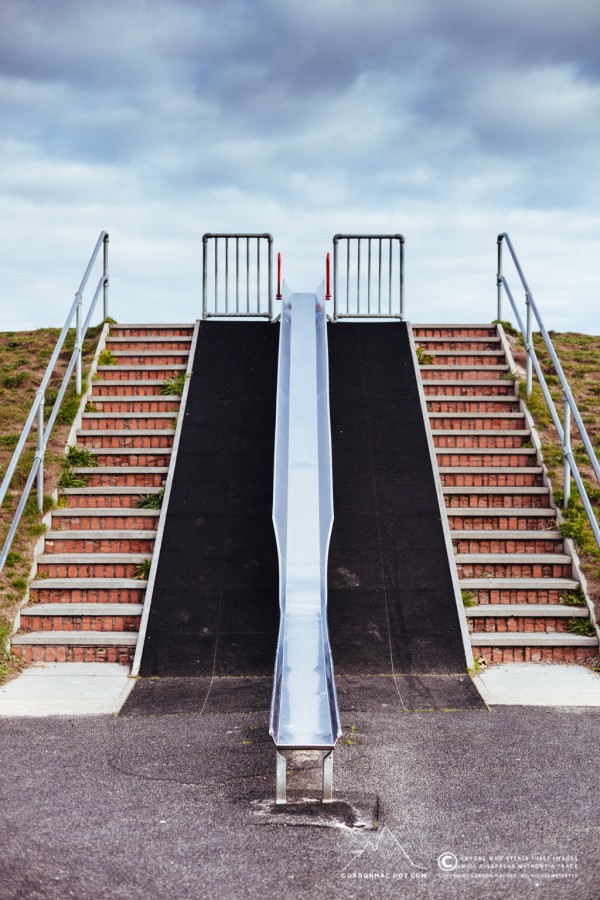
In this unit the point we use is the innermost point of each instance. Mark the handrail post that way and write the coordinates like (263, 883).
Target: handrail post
(499, 279)
(40, 453)
(204, 260)
(335, 278)
(78, 346)
(401, 278)
(270, 264)
(529, 365)
(105, 273)
(566, 452)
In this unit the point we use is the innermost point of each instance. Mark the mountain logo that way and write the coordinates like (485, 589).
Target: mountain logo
(383, 855)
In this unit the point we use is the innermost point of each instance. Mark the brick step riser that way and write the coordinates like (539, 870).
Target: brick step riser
(475, 424)
(461, 359)
(90, 522)
(535, 654)
(32, 623)
(483, 460)
(120, 423)
(99, 545)
(512, 545)
(457, 346)
(470, 407)
(476, 389)
(57, 653)
(496, 522)
(140, 333)
(477, 375)
(497, 441)
(99, 439)
(140, 360)
(498, 501)
(133, 460)
(530, 597)
(102, 501)
(115, 344)
(475, 479)
(139, 373)
(75, 569)
(126, 479)
(514, 570)
(517, 625)
(106, 594)
(113, 405)
(423, 331)
(122, 389)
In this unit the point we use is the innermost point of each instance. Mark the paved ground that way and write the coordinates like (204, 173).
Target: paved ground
(470, 804)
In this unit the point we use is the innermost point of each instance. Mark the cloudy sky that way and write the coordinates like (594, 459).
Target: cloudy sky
(159, 120)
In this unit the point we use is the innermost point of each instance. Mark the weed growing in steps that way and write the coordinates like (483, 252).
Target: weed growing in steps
(106, 358)
(582, 627)
(151, 501)
(81, 456)
(423, 358)
(174, 386)
(142, 571)
(574, 598)
(468, 598)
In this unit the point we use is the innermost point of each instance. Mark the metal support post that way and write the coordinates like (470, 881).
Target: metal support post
(281, 778)
(402, 279)
(105, 286)
(40, 454)
(78, 346)
(566, 452)
(529, 364)
(499, 279)
(328, 777)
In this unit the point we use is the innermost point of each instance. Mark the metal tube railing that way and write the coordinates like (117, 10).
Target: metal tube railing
(365, 296)
(216, 296)
(568, 402)
(36, 413)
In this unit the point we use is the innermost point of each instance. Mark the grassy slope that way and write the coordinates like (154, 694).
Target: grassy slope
(24, 356)
(579, 355)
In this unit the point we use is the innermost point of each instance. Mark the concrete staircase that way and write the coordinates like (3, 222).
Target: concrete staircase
(86, 599)
(512, 560)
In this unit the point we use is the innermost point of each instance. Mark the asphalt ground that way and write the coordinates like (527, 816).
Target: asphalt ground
(499, 804)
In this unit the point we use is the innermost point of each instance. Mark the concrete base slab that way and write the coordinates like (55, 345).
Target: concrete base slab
(66, 689)
(539, 684)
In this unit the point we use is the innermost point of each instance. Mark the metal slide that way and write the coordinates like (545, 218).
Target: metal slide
(304, 710)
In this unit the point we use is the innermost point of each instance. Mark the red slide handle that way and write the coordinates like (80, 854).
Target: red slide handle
(328, 277)
(278, 294)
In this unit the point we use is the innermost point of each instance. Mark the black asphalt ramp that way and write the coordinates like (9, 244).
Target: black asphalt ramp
(215, 606)
(392, 608)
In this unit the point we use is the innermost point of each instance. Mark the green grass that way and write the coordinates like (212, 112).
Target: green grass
(151, 501)
(106, 358)
(582, 627)
(174, 386)
(142, 571)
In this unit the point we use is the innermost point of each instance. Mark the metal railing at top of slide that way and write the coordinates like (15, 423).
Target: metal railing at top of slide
(37, 410)
(563, 428)
(237, 281)
(368, 279)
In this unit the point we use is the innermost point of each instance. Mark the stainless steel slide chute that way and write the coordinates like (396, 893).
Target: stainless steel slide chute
(304, 710)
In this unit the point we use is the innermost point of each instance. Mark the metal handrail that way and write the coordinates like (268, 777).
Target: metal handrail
(375, 270)
(569, 406)
(237, 307)
(37, 409)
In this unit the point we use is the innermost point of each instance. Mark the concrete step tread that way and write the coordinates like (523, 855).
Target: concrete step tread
(473, 415)
(83, 609)
(483, 432)
(133, 326)
(530, 639)
(516, 558)
(527, 611)
(106, 489)
(88, 583)
(119, 534)
(481, 451)
(484, 339)
(104, 511)
(489, 511)
(470, 398)
(142, 366)
(99, 451)
(135, 382)
(494, 489)
(141, 432)
(93, 557)
(519, 584)
(151, 351)
(103, 416)
(78, 638)
(490, 470)
(154, 339)
(137, 398)
(496, 534)
(432, 367)
(453, 382)
(456, 351)
(123, 470)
